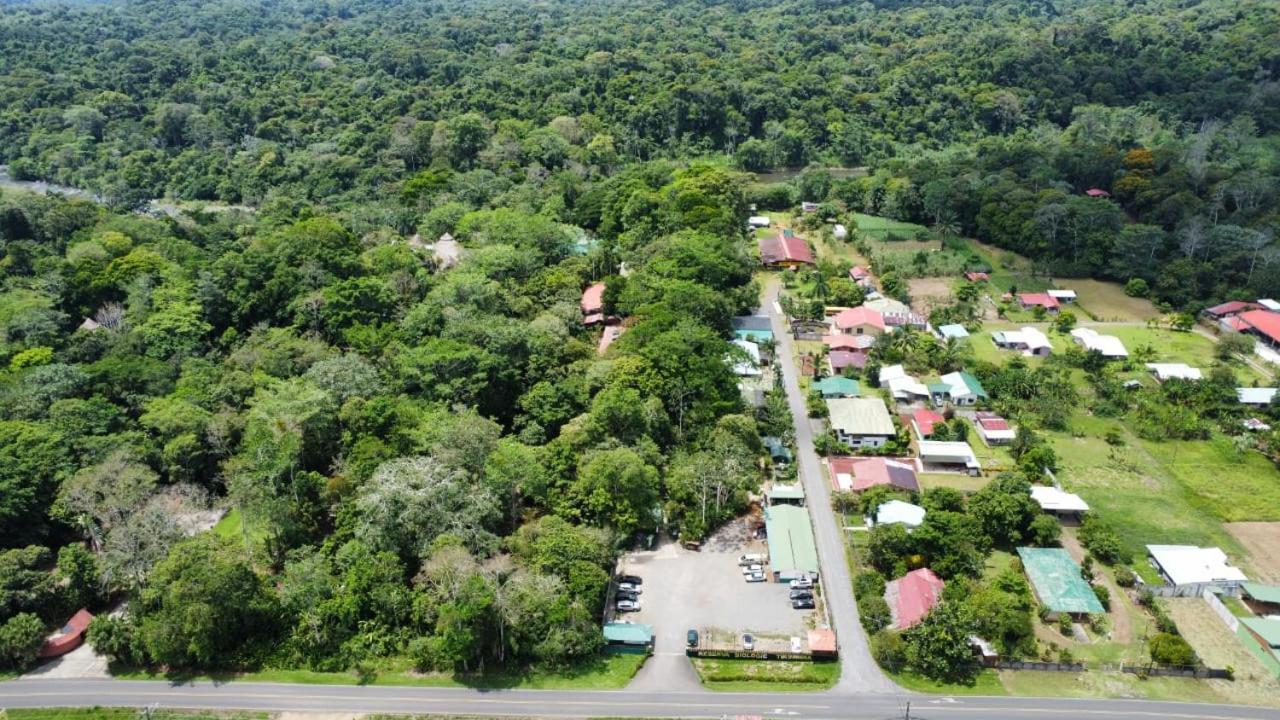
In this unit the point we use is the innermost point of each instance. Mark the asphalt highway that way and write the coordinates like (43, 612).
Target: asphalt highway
(271, 697)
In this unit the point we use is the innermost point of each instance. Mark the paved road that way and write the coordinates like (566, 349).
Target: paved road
(270, 697)
(858, 671)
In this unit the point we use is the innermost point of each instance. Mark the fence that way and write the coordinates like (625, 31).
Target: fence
(1221, 611)
(808, 329)
(1176, 591)
(1037, 665)
(1200, 673)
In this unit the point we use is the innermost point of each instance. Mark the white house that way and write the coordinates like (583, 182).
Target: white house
(1063, 296)
(1255, 397)
(749, 367)
(839, 232)
(1174, 371)
(961, 388)
(1109, 345)
(1029, 340)
(1058, 502)
(1190, 566)
(903, 387)
(948, 456)
(758, 221)
(861, 422)
(897, 511)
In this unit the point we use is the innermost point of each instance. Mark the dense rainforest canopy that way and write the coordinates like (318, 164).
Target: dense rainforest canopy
(433, 460)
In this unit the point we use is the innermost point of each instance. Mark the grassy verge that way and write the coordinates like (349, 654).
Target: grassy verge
(986, 683)
(729, 674)
(103, 713)
(604, 672)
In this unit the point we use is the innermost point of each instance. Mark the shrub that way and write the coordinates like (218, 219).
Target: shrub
(1169, 649)
(1125, 577)
(1103, 542)
(1104, 595)
(20, 640)
(868, 584)
(1136, 287)
(888, 650)
(1064, 624)
(1045, 531)
(873, 611)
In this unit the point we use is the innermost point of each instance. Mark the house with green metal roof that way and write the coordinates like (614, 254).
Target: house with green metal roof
(957, 388)
(1057, 581)
(1262, 638)
(626, 637)
(1261, 599)
(778, 451)
(835, 386)
(786, 495)
(792, 550)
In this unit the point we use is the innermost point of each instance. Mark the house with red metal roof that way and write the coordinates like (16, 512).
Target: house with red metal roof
(861, 320)
(1044, 300)
(784, 250)
(1097, 193)
(862, 276)
(993, 429)
(852, 343)
(912, 596)
(925, 421)
(1262, 323)
(855, 474)
(838, 360)
(1233, 307)
(975, 276)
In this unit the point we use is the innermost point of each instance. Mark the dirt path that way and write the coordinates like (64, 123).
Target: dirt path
(1121, 623)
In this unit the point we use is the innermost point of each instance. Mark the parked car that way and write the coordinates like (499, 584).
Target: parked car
(755, 577)
(693, 638)
(627, 605)
(748, 642)
(748, 569)
(799, 594)
(752, 559)
(804, 582)
(795, 644)
(803, 604)
(630, 579)
(628, 587)
(628, 595)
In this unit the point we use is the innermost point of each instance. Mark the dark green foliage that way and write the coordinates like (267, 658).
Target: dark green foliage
(1102, 541)
(20, 639)
(938, 647)
(1168, 649)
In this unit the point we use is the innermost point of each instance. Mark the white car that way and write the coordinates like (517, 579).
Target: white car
(630, 587)
(755, 577)
(752, 569)
(628, 605)
(804, 582)
(795, 644)
(748, 642)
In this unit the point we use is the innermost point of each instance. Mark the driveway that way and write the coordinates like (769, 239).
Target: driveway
(858, 670)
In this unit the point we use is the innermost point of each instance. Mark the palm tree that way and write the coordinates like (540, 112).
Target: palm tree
(820, 287)
(947, 227)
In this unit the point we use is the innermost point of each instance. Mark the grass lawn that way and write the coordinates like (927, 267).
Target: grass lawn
(603, 672)
(231, 527)
(986, 683)
(1008, 269)
(735, 675)
(882, 228)
(963, 483)
(1106, 301)
(1230, 485)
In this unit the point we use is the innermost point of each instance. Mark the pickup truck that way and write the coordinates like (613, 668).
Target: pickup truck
(752, 559)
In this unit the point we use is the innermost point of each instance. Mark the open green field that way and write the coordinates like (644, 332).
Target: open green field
(1106, 301)
(741, 675)
(959, 481)
(882, 228)
(1008, 269)
(987, 683)
(1162, 492)
(603, 672)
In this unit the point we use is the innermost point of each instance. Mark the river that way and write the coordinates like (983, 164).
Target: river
(153, 207)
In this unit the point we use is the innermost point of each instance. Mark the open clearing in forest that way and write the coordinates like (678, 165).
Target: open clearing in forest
(928, 293)
(1262, 541)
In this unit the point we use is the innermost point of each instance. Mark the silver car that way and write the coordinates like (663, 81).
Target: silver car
(628, 606)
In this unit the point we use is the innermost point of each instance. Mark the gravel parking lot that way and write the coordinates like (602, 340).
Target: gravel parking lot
(686, 589)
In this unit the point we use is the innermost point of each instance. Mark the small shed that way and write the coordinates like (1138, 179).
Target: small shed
(786, 495)
(1261, 599)
(836, 386)
(822, 643)
(897, 512)
(70, 637)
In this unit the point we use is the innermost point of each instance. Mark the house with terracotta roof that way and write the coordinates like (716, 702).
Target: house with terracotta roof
(784, 250)
(838, 360)
(924, 421)
(851, 343)
(855, 474)
(592, 304)
(1028, 301)
(912, 596)
(1262, 323)
(861, 320)
(1097, 193)
(993, 429)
